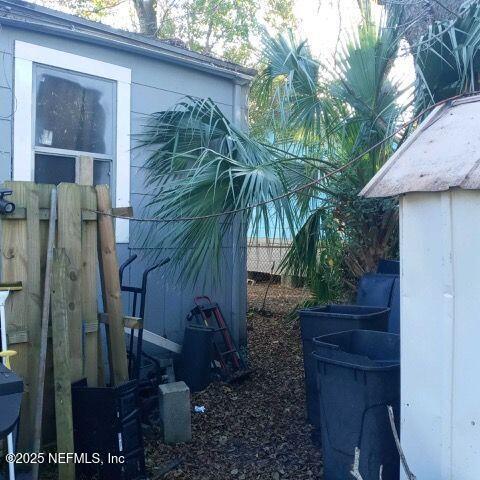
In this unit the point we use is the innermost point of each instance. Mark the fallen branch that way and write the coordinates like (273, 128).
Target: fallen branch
(356, 464)
(355, 472)
(406, 468)
(168, 467)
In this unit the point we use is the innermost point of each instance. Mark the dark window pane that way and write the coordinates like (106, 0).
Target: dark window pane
(101, 172)
(54, 169)
(73, 111)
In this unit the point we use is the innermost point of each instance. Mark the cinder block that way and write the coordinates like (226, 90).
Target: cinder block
(175, 416)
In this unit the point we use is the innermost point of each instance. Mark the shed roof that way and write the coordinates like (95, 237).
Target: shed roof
(29, 16)
(442, 153)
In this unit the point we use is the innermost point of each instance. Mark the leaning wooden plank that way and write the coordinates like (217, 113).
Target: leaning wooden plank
(70, 239)
(61, 362)
(137, 323)
(123, 212)
(42, 351)
(162, 342)
(88, 277)
(48, 422)
(128, 321)
(108, 263)
(34, 295)
(14, 268)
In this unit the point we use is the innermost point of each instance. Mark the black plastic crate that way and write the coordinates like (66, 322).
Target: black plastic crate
(106, 421)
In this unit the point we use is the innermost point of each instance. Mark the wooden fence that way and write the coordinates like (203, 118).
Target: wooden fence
(23, 245)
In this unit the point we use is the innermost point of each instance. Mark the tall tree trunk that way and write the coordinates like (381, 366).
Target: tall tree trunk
(147, 16)
(419, 14)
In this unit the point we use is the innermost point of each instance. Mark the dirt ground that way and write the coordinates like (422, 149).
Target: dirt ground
(255, 430)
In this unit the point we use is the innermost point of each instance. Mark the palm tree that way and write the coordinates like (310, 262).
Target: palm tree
(343, 236)
(201, 165)
(288, 174)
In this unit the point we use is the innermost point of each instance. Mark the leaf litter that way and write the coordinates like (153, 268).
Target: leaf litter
(255, 429)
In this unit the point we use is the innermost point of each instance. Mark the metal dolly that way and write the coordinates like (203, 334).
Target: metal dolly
(147, 386)
(232, 365)
(134, 361)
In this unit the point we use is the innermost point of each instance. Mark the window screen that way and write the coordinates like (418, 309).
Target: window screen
(54, 169)
(73, 111)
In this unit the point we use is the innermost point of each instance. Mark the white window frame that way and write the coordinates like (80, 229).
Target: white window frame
(26, 54)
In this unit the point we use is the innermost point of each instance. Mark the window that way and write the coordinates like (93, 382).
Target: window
(74, 114)
(68, 106)
(73, 111)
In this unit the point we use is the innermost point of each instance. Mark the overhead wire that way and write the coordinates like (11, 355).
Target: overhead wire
(296, 190)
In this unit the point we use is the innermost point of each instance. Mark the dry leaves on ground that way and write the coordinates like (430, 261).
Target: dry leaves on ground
(254, 430)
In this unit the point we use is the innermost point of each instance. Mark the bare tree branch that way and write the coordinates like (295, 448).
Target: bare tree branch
(406, 468)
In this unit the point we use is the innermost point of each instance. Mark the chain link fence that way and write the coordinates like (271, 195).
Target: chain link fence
(264, 257)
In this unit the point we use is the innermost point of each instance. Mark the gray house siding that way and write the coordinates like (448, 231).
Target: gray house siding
(156, 85)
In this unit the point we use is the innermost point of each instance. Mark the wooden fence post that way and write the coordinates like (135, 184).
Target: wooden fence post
(108, 263)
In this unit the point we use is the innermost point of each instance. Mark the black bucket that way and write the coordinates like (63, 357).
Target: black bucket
(194, 366)
(358, 377)
(322, 320)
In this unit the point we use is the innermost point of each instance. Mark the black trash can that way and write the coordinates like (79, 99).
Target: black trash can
(194, 365)
(358, 377)
(322, 320)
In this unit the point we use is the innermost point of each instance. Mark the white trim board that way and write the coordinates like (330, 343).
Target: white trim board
(26, 54)
(158, 340)
(70, 61)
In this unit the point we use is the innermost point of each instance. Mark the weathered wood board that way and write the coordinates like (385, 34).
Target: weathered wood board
(61, 360)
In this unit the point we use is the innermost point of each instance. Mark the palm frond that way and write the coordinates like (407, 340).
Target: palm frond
(290, 85)
(200, 165)
(447, 58)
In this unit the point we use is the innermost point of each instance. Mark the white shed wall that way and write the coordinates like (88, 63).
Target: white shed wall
(440, 331)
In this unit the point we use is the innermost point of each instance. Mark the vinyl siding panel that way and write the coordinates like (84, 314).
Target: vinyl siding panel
(155, 86)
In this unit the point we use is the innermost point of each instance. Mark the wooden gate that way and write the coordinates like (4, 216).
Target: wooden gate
(23, 245)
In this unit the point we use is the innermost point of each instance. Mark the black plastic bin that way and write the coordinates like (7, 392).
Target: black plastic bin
(394, 318)
(358, 376)
(106, 421)
(389, 266)
(194, 365)
(322, 320)
(375, 289)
